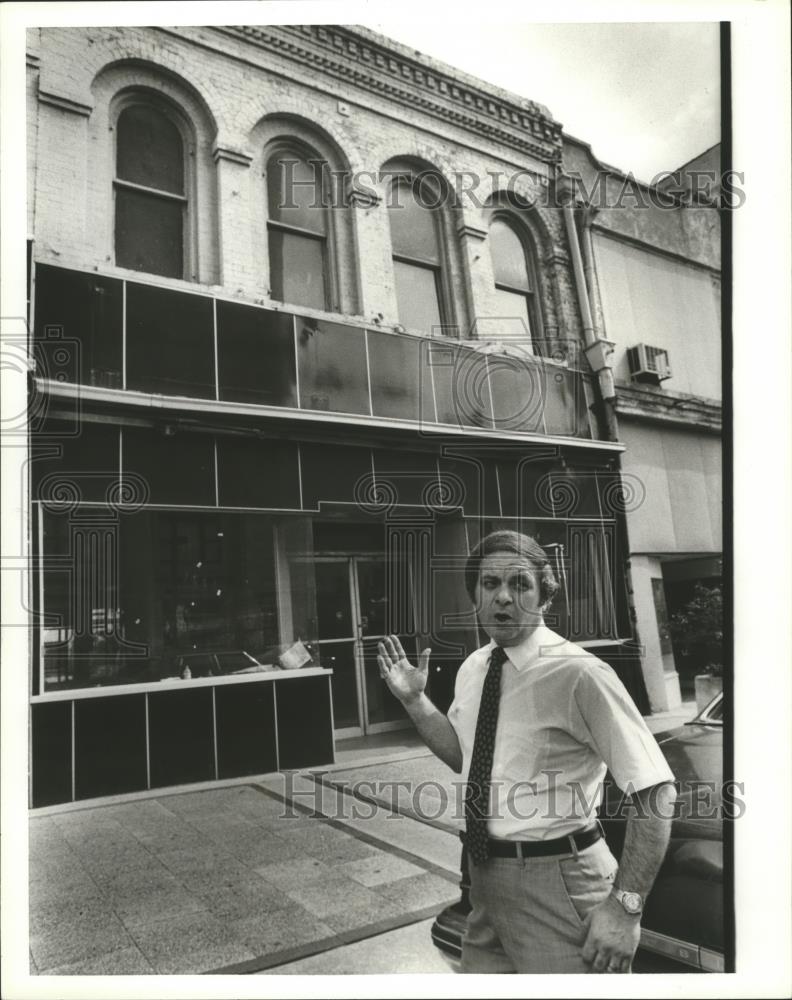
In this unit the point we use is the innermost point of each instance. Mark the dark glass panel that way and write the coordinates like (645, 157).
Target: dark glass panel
(170, 342)
(245, 716)
(401, 385)
(333, 601)
(181, 737)
(516, 383)
(375, 580)
(85, 468)
(524, 485)
(476, 478)
(417, 296)
(149, 149)
(78, 327)
(255, 355)
(258, 473)
(566, 411)
(343, 536)
(332, 367)
(149, 233)
(340, 658)
(294, 192)
(305, 732)
(330, 473)
(461, 384)
(109, 745)
(297, 269)
(574, 492)
(382, 706)
(178, 468)
(407, 477)
(508, 256)
(413, 226)
(51, 761)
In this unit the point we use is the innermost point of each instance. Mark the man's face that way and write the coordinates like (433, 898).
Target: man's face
(508, 598)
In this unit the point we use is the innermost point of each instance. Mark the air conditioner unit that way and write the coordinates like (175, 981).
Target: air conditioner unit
(648, 364)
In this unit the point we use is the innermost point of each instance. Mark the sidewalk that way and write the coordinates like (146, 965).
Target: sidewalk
(228, 879)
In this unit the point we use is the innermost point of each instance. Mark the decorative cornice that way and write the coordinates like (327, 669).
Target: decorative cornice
(65, 103)
(372, 66)
(661, 406)
(232, 155)
(472, 232)
(557, 258)
(362, 197)
(33, 60)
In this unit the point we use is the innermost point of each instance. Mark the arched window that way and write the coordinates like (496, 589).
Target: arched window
(151, 201)
(515, 276)
(298, 230)
(417, 252)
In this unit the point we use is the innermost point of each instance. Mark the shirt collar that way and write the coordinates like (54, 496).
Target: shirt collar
(522, 655)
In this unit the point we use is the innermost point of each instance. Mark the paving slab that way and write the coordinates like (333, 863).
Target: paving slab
(404, 950)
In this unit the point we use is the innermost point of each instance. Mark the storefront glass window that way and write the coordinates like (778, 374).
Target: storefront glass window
(156, 594)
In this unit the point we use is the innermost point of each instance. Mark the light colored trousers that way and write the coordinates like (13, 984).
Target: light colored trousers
(528, 913)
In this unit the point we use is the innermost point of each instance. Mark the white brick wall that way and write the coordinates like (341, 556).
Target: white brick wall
(230, 96)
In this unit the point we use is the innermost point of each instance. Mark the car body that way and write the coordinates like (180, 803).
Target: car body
(683, 926)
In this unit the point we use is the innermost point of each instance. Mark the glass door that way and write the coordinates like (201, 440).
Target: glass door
(354, 611)
(376, 612)
(338, 640)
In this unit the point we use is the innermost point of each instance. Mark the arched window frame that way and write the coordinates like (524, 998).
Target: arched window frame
(280, 149)
(403, 173)
(533, 295)
(148, 98)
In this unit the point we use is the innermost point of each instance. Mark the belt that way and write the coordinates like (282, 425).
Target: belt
(544, 848)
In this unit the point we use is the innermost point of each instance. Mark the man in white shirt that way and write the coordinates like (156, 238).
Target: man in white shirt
(535, 723)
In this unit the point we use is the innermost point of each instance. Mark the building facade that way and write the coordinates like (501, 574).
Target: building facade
(655, 277)
(311, 313)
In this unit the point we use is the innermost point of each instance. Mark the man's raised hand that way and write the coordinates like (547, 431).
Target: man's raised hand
(405, 681)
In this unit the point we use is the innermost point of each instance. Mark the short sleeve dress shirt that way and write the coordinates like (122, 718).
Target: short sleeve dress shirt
(565, 718)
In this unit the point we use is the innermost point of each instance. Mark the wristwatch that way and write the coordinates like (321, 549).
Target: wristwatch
(631, 902)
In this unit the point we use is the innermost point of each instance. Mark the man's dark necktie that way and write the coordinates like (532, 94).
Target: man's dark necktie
(478, 788)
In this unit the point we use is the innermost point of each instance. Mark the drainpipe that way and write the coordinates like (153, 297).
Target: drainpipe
(598, 350)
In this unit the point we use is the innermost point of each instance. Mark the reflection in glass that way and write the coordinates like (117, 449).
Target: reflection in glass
(566, 411)
(401, 385)
(332, 367)
(516, 383)
(461, 384)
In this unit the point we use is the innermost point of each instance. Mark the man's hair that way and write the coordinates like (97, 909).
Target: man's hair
(519, 545)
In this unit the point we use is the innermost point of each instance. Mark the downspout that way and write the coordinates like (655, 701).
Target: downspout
(598, 350)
